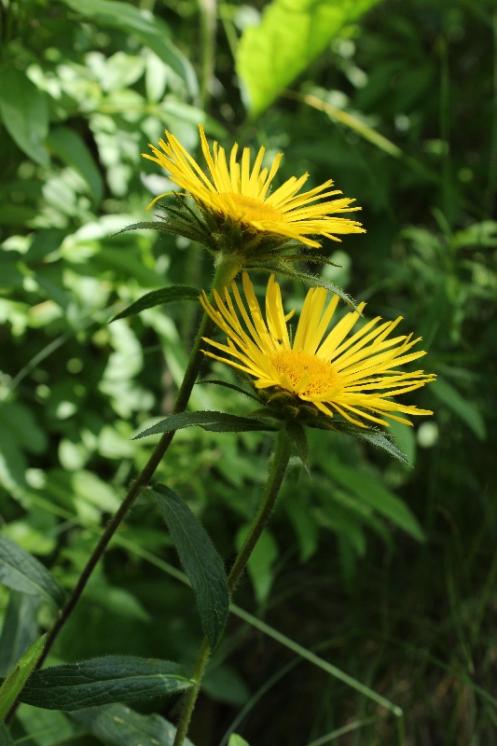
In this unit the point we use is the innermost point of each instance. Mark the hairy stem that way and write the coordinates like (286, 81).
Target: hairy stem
(270, 494)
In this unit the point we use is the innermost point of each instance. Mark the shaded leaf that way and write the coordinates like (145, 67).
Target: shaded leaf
(463, 408)
(97, 681)
(24, 111)
(22, 572)
(159, 298)
(15, 681)
(120, 726)
(5, 737)
(219, 422)
(373, 493)
(72, 149)
(291, 34)
(200, 560)
(19, 630)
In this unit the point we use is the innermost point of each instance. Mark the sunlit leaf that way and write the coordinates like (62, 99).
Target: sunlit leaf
(24, 111)
(291, 34)
(16, 679)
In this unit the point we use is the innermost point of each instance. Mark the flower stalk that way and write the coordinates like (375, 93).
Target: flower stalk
(268, 500)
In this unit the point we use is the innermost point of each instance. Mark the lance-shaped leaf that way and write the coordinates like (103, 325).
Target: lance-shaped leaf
(117, 725)
(19, 629)
(15, 681)
(200, 560)
(374, 494)
(97, 681)
(22, 572)
(219, 422)
(379, 440)
(159, 298)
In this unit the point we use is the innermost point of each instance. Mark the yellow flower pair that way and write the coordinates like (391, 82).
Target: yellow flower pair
(347, 368)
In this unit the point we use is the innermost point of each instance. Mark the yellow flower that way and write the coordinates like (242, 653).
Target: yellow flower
(355, 375)
(237, 190)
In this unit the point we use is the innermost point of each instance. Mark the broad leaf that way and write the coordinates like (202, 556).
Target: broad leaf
(22, 572)
(19, 629)
(24, 111)
(97, 681)
(200, 560)
(463, 408)
(291, 35)
(159, 298)
(72, 149)
(120, 726)
(150, 30)
(374, 494)
(219, 422)
(15, 681)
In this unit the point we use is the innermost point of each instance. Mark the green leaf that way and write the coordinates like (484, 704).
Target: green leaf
(150, 30)
(298, 437)
(22, 572)
(97, 681)
(370, 491)
(24, 111)
(464, 409)
(19, 630)
(404, 437)
(159, 298)
(291, 35)
(46, 727)
(120, 726)
(236, 740)
(15, 681)
(200, 560)
(380, 440)
(219, 422)
(5, 737)
(227, 385)
(72, 149)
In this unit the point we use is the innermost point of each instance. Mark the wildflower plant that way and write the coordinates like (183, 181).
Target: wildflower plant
(324, 371)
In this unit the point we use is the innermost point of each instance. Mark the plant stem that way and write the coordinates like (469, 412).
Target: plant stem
(208, 22)
(270, 494)
(225, 271)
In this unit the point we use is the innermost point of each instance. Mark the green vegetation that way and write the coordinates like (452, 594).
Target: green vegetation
(366, 617)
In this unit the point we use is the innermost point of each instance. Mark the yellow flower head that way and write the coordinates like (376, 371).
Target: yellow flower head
(239, 190)
(356, 375)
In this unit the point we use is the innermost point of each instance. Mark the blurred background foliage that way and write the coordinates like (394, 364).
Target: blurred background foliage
(387, 572)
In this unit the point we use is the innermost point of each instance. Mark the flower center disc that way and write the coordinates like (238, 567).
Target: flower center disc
(248, 208)
(304, 374)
